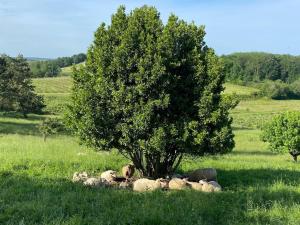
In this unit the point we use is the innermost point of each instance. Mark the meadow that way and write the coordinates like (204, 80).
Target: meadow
(259, 187)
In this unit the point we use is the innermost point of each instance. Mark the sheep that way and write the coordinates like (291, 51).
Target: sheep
(211, 186)
(94, 182)
(177, 184)
(195, 186)
(217, 187)
(128, 171)
(109, 175)
(145, 184)
(208, 174)
(80, 177)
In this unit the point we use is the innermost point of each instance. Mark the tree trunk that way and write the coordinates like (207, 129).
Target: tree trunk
(155, 166)
(44, 137)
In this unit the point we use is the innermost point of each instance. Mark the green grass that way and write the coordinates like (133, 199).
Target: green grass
(240, 90)
(67, 71)
(53, 85)
(35, 187)
(259, 187)
(56, 92)
(255, 113)
(64, 84)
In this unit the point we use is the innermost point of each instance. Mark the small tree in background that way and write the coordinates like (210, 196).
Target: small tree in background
(16, 89)
(50, 126)
(283, 134)
(152, 91)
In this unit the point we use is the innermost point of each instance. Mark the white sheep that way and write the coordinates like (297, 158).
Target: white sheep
(217, 187)
(94, 182)
(80, 177)
(195, 186)
(211, 186)
(145, 184)
(208, 174)
(177, 184)
(109, 175)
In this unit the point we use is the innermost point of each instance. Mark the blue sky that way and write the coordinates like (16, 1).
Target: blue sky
(52, 28)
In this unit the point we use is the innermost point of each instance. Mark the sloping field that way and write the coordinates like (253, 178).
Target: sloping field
(53, 85)
(56, 92)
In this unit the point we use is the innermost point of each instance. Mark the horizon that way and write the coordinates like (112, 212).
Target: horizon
(51, 29)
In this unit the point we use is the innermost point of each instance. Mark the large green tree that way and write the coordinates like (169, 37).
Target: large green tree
(16, 89)
(152, 91)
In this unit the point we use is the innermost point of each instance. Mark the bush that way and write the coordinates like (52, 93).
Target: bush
(279, 90)
(50, 126)
(283, 134)
(276, 90)
(295, 88)
(152, 91)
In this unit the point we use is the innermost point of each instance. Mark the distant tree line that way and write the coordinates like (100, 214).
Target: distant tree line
(277, 76)
(16, 89)
(51, 68)
(247, 67)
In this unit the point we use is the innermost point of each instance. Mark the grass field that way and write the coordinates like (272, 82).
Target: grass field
(56, 92)
(67, 71)
(240, 90)
(36, 188)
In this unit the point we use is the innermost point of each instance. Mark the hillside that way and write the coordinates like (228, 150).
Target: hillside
(250, 113)
(56, 92)
(53, 85)
(240, 90)
(63, 84)
(67, 71)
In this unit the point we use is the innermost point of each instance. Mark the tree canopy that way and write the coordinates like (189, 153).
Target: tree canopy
(283, 134)
(152, 91)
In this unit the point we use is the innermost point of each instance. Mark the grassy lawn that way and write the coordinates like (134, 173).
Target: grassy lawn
(35, 178)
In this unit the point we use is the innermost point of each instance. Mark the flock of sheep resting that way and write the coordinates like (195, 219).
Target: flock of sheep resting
(200, 180)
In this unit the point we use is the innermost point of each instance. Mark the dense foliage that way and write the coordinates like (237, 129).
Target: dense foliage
(16, 90)
(261, 66)
(51, 68)
(152, 91)
(279, 90)
(283, 133)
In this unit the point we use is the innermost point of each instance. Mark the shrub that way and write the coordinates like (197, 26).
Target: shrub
(283, 133)
(295, 88)
(279, 90)
(276, 90)
(152, 91)
(50, 126)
